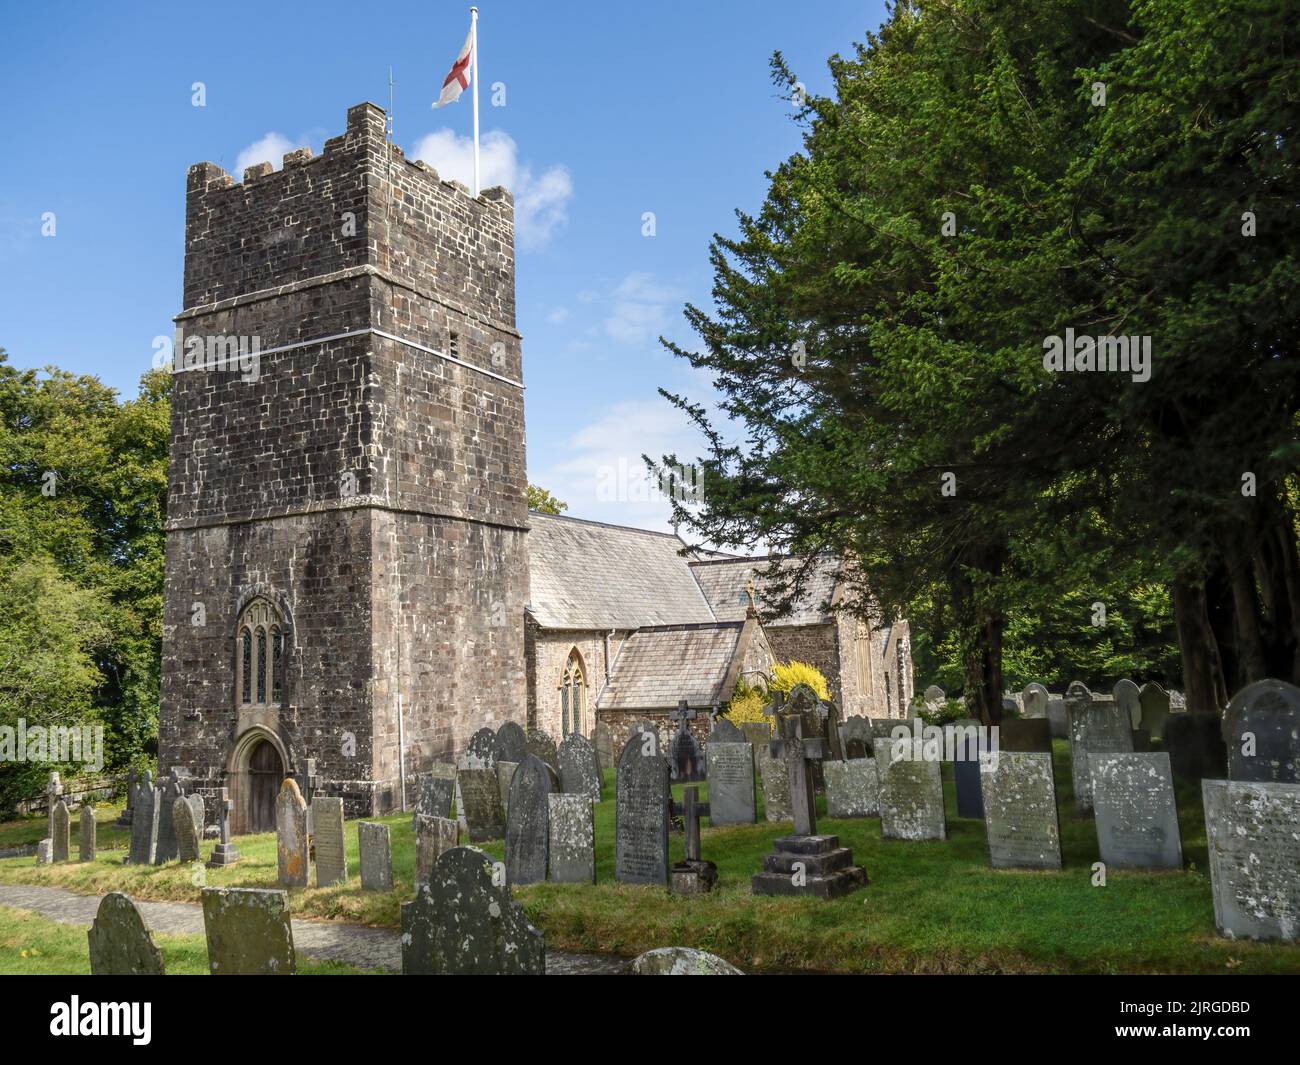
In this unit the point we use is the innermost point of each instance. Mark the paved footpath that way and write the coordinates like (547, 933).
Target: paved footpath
(356, 945)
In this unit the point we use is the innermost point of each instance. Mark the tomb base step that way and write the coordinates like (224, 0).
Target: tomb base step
(813, 864)
(839, 883)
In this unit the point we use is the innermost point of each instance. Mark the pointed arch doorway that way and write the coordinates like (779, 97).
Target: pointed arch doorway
(257, 769)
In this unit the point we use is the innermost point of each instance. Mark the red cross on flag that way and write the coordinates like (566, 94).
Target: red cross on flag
(458, 80)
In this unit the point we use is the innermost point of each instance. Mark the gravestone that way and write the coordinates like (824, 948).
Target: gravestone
(856, 738)
(1097, 726)
(331, 854)
(852, 788)
(478, 789)
(464, 923)
(604, 744)
(1195, 746)
(1034, 700)
(434, 837)
(144, 824)
(1128, 698)
(45, 851)
(775, 776)
(527, 822)
(248, 930)
(684, 760)
(911, 794)
(294, 865)
(682, 961)
(120, 944)
(1262, 730)
(731, 779)
(1155, 708)
(725, 731)
(199, 810)
(86, 844)
(579, 768)
(692, 875)
(166, 794)
(1021, 823)
(505, 774)
(540, 744)
(572, 839)
(187, 832)
(757, 733)
(1010, 708)
(511, 743)
(1252, 830)
(61, 831)
(437, 790)
(124, 818)
(1030, 734)
(225, 852)
(376, 853)
(641, 812)
(934, 696)
(966, 773)
(805, 863)
(1057, 717)
(1137, 817)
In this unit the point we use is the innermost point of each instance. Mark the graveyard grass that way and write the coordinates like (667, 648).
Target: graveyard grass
(32, 945)
(929, 907)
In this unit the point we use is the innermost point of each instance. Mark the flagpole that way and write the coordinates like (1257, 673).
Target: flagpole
(473, 62)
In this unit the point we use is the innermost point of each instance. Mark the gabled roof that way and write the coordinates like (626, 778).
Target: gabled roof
(588, 575)
(658, 667)
(724, 582)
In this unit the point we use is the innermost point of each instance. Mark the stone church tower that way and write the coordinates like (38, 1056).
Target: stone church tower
(346, 572)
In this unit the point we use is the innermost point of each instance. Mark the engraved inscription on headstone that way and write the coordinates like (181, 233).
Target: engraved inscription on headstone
(511, 743)
(375, 849)
(527, 821)
(572, 844)
(291, 845)
(731, 782)
(1262, 730)
(434, 836)
(479, 791)
(852, 788)
(911, 793)
(1020, 817)
(187, 833)
(86, 845)
(579, 768)
(1137, 817)
(331, 853)
(1097, 726)
(775, 775)
(641, 812)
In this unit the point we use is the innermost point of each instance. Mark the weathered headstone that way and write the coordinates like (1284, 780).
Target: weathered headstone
(731, 781)
(86, 844)
(572, 839)
(1252, 830)
(511, 743)
(124, 818)
(505, 774)
(291, 844)
(144, 823)
(199, 810)
(376, 854)
(1020, 817)
(248, 930)
(53, 789)
(757, 733)
(61, 822)
(911, 793)
(1155, 708)
(540, 744)
(434, 836)
(856, 738)
(682, 961)
(1195, 746)
(934, 696)
(331, 853)
(165, 796)
(187, 832)
(225, 852)
(1097, 726)
(120, 944)
(1262, 730)
(1128, 697)
(579, 767)
(527, 822)
(685, 760)
(1057, 717)
(45, 851)
(1137, 817)
(604, 744)
(1034, 699)
(775, 776)
(725, 731)
(641, 812)
(478, 789)
(463, 922)
(437, 791)
(852, 788)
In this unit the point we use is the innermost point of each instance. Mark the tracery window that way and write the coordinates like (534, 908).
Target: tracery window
(259, 659)
(572, 695)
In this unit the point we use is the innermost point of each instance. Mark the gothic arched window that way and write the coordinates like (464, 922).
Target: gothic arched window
(259, 659)
(572, 695)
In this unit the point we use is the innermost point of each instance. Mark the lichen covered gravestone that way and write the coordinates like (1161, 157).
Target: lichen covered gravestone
(249, 932)
(144, 823)
(168, 791)
(1262, 729)
(1034, 699)
(852, 788)
(572, 843)
(911, 793)
(527, 822)
(61, 825)
(478, 788)
(505, 774)
(1137, 816)
(1020, 816)
(376, 856)
(331, 853)
(540, 744)
(1097, 726)
(579, 767)
(86, 845)
(510, 743)
(120, 944)
(1128, 697)
(1252, 829)
(292, 857)
(730, 772)
(463, 922)
(434, 836)
(187, 832)
(682, 961)
(641, 812)
(774, 772)
(437, 790)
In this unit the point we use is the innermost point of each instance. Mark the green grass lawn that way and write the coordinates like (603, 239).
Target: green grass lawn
(929, 907)
(32, 945)
(32, 828)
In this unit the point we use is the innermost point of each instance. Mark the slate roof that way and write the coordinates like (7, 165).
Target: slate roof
(656, 667)
(724, 580)
(588, 575)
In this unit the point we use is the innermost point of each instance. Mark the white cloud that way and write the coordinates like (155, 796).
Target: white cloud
(559, 316)
(270, 149)
(541, 200)
(639, 312)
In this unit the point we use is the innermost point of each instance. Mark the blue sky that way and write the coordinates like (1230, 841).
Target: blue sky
(611, 111)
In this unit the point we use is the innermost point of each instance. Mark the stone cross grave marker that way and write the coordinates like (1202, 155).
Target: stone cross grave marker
(331, 851)
(1137, 817)
(294, 865)
(464, 923)
(225, 852)
(572, 839)
(120, 944)
(528, 823)
(375, 849)
(249, 931)
(1020, 816)
(692, 876)
(61, 831)
(641, 812)
(685, 761)
(86, 844)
